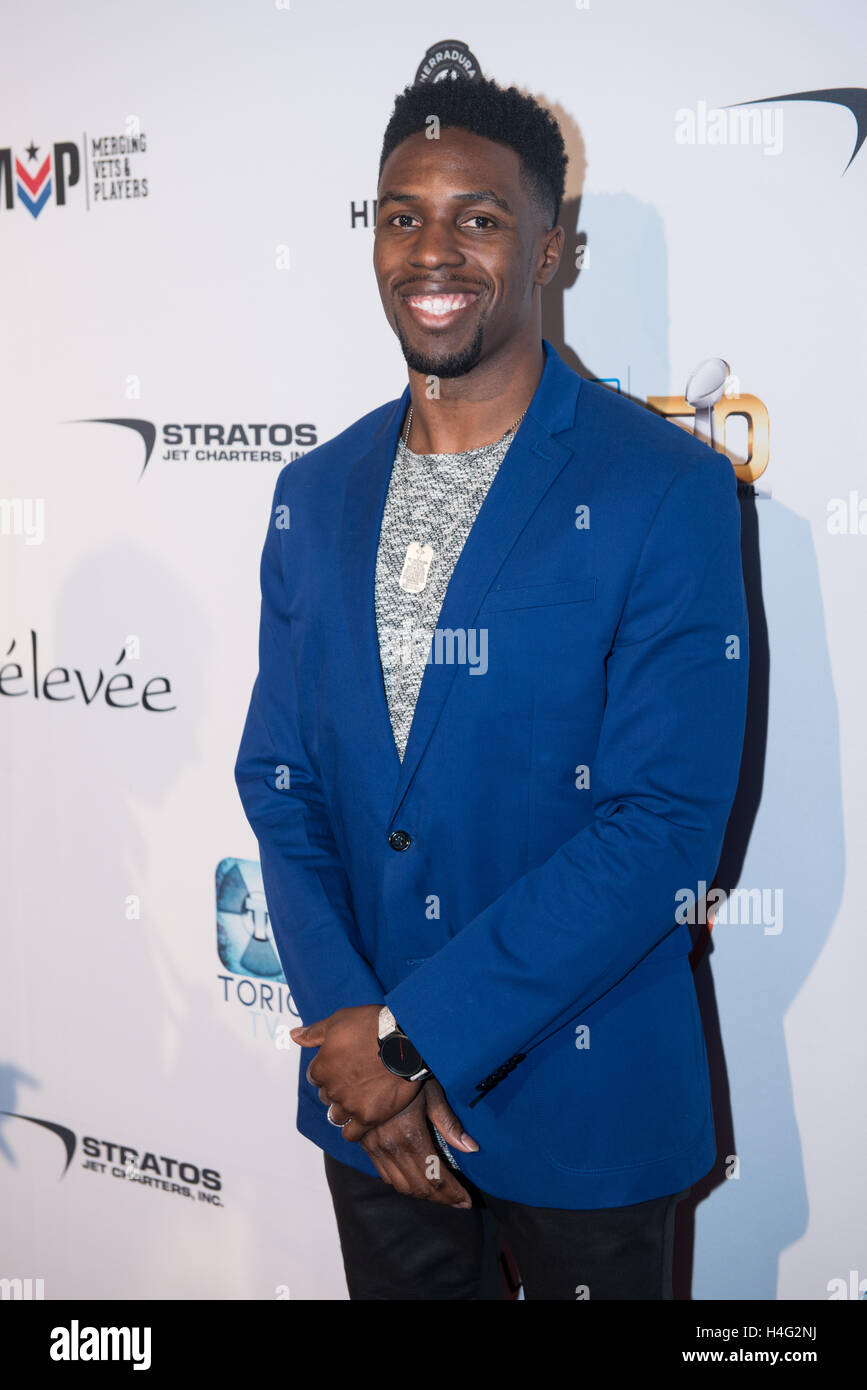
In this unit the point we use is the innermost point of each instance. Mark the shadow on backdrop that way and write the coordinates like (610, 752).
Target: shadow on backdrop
(620, 306)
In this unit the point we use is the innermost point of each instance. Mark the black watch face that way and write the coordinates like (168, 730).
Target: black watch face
(400, 1056)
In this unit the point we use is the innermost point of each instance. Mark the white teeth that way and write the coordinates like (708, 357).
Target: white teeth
(440, 304)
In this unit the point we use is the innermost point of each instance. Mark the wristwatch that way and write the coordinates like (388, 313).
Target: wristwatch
(396, 1050)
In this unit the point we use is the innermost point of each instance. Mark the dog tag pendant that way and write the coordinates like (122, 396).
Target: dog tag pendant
(416, 564)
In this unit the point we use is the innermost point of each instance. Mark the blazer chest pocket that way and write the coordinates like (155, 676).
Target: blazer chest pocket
(575, 590)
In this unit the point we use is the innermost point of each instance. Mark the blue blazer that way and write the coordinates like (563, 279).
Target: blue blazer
(523, 929)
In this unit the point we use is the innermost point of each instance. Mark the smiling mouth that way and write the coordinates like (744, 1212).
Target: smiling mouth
(438, 308)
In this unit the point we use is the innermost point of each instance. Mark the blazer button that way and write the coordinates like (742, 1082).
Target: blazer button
(399, 840)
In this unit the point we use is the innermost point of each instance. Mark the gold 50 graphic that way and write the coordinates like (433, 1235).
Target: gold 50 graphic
(731, 404)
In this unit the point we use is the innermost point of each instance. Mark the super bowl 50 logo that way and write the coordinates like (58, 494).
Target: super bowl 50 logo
(100, 169)
(711, 400)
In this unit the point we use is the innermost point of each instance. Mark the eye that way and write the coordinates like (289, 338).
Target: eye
(401, 215)
(480, 217)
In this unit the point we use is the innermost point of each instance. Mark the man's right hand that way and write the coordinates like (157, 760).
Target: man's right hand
(407, 1156)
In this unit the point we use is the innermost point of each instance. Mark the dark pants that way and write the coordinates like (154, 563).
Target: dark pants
(397, 1247)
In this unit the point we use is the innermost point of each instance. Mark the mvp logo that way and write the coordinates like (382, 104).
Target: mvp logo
(32, 182)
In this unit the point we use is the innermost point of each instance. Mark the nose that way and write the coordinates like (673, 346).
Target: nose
(434, 245)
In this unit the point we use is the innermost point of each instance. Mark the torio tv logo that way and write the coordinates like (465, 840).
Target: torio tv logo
(245, 942)
(253, 978)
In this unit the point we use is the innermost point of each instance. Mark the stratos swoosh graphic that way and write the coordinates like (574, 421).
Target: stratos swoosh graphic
(853, 98)
(144, 428)
(64, 1134)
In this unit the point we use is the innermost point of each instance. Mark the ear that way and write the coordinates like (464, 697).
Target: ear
(550, 255)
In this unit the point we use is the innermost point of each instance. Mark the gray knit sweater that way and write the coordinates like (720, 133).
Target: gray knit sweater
(432, 499)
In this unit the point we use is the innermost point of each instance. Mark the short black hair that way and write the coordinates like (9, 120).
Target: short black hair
(502, 114)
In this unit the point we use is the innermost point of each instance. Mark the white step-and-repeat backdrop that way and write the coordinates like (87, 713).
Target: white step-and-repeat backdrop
(186, 207)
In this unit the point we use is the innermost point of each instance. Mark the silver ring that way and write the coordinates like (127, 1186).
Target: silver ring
(336, 1123)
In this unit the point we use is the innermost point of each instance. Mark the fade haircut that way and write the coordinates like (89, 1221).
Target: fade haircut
(497, 113)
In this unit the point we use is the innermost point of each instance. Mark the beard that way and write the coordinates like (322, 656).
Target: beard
(453, 364)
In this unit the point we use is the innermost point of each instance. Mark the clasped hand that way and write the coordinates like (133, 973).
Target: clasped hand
(390, 1117)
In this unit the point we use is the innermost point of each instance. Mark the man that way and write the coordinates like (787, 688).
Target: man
(496, 730)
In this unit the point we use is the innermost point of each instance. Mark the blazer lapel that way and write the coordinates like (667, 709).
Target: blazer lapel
(366, 491)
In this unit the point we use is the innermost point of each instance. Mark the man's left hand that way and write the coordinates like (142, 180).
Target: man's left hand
(349, 1071)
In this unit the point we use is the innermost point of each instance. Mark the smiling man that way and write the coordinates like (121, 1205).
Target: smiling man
(471, 865)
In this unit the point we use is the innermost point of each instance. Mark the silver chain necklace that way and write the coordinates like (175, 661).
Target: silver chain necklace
(419, 557)
(511, 430)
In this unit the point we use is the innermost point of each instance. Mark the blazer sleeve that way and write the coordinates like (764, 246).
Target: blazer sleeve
(306, 887)
(662, 781)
